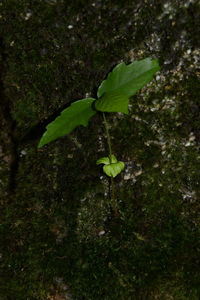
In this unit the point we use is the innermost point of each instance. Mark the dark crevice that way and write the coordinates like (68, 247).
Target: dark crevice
(37, 130)
(8, 125)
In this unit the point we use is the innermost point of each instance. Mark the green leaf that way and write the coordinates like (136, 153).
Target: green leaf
(112, 170)
(128, 79)
(123, 82)
(77, 114)
(139, 236)
(112, 102)
(106, 160)
(103, 160)
(111, 167)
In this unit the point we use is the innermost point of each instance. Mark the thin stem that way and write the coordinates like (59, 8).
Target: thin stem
(113, 191)
(107, 136)
(113, 199)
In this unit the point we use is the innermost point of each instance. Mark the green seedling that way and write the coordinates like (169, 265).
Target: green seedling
(112, 96)
(112, 167)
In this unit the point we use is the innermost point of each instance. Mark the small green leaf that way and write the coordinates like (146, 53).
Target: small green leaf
(111, 167)
(106, 160)
(139, 236)
(123, 82)
(103, 160)
(112, 170)
(77, 114)
(113, 159)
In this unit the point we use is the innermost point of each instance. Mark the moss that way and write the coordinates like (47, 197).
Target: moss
(57, 226)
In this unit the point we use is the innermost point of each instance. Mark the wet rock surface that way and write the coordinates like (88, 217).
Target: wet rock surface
(59, 237)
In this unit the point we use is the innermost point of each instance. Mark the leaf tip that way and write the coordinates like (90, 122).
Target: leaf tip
(41, 142)
(39, 145)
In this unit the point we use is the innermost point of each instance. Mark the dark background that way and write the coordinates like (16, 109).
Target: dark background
(59, 239)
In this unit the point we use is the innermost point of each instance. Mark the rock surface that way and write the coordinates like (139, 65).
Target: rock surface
(59, 236)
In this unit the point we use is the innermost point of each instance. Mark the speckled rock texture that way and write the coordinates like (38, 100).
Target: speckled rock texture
(59, 237)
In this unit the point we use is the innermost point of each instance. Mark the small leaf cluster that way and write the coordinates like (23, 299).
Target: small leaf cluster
(112, 96)
(111, 167)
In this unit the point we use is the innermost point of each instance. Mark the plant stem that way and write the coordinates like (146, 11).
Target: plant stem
(107, 136)
(113, 199)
